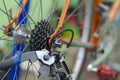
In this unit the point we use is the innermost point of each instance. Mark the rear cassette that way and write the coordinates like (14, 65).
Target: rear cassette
(40, 35)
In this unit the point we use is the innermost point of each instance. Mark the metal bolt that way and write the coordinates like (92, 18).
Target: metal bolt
(46, 57)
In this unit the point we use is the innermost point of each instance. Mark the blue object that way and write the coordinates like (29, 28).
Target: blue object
(24, 13)
(16, 69)
(18, 47)
(17, 58)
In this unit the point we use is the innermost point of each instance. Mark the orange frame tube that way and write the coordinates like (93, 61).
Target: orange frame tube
(16, 16)
(95, 21)
(62, 18)
(96, 18)
(114, 10)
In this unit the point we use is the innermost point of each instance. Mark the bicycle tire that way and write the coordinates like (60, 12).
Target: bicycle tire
(34, 22)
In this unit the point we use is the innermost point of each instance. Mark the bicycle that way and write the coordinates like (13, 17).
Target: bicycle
(57, 40)
(20, 33)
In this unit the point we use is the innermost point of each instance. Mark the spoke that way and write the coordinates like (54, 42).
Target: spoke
(34, 8)
(5, 13)
(5, 39)
(15, 73)
(6, 10)
(8, 54)
(24, 48)
(32, 13)
(3, 78)
(23, 19)
(36, 67)
(38, 13)
(2, 36)
(33, 74)
(5, 34)
(27, 22)
(1, 29)
(41, 9)
(24, 15)
(25, 11)
(29, 64)
(31, 23)
(53, 9)
(54, 19)
(74, 11)
(16, 68)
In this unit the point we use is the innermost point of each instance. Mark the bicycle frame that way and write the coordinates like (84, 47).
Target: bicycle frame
(104, 28)
(62, 18)
(95, 21)
(110, 17)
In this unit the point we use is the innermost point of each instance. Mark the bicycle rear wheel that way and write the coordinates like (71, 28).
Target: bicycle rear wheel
(41, 13)
(25, 21)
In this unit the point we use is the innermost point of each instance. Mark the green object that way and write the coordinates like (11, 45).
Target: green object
(109, 1)
(81, 44)
(73, 3)
(72, 27)
(102, 58)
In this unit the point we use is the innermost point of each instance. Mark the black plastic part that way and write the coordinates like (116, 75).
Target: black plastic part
(57, 56)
